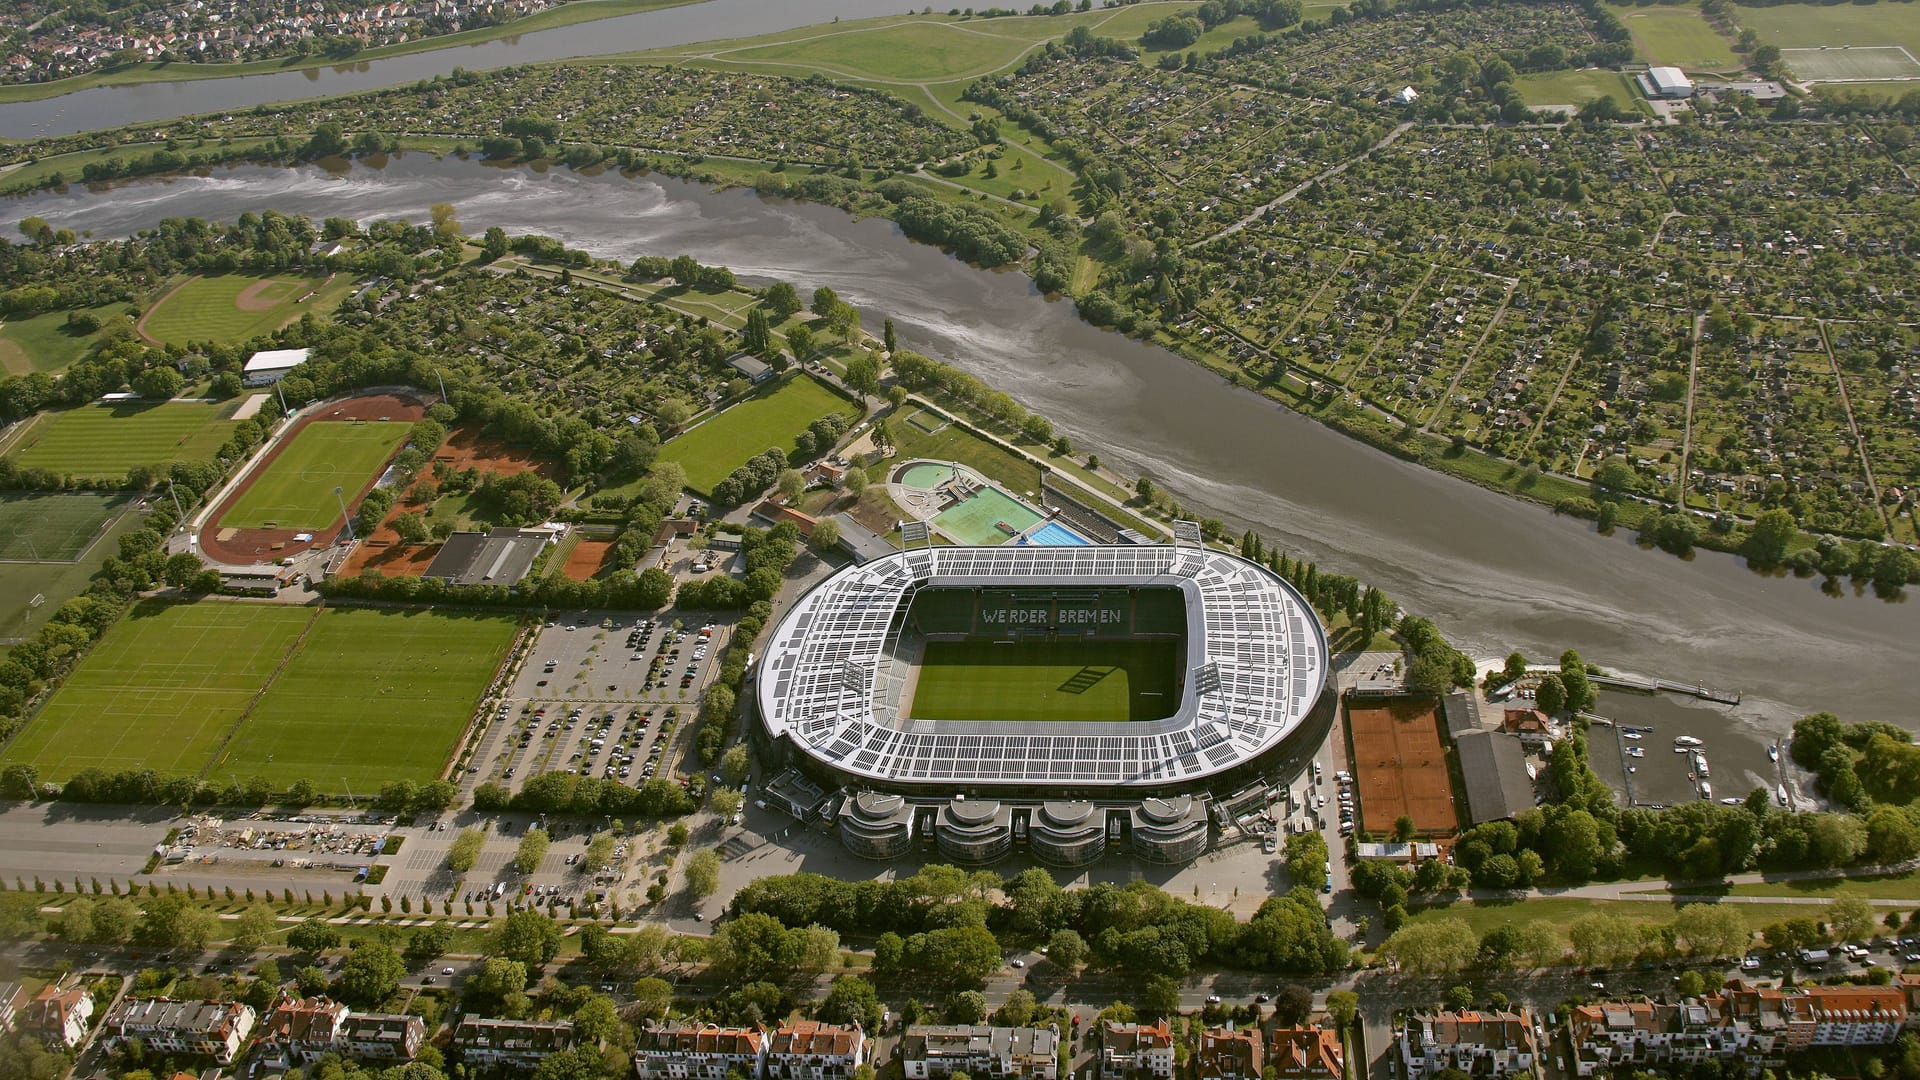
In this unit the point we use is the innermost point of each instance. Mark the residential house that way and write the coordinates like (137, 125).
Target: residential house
(1226, 1054)
(1488, 1045)
(59, 1014)
(699, 1052)
(484, 1042)
(1135, 1051)
(383, 1037)
(10, 1001)
(212, 1029)
(1304, 1053)
(303, 1030)
(930, 1051)
(809, 1050)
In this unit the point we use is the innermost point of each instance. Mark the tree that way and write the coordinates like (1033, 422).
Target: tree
(1573, 677)
(498, 979)
(1292, 1005)
(1711, 930)
(800, 341)
(596, 1020)
(1067, 949)
(735, 764)
(1433, 947)
(1602, 939)
(852, 999)
(966, 1007)
(1851, 917)
(863, 374)
(1403, 829)
(174, 922)
(528, 937)
(313, 936)
(1159, 996)
(427, 944)
(703, 874)
(790, 485)
(1018, 1009)
(1551, 695)
(255, 927)
(533, 849)
(825, 535)
(1767, 541)
(653, 997)
(370, 975)
(782, 299)
(824, 300)
(1342, 1007)
(493, 243)
(411, 528)
(158, 383)
(465, 850)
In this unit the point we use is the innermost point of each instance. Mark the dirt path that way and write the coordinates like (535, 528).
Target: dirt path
(141, 326)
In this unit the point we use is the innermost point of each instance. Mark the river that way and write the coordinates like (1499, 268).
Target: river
(1493, 572)
(713, 20)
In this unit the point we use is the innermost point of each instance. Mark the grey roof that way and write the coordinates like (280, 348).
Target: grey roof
(751, 367)
(1253, 636)
(1494, 767)
(862, 543)
(1462, 717)
(500, 557)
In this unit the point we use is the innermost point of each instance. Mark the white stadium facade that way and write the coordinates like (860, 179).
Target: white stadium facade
(830, 685)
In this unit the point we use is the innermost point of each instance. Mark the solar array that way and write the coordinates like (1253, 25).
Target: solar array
(1261, 650)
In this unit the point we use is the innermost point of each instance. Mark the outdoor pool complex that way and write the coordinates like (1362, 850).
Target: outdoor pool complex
(989, 516)
(926, 475)
(1054, 534)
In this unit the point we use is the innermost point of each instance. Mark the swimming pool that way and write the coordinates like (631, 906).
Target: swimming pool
(926, 475)
(1054, 534)
(990, 517)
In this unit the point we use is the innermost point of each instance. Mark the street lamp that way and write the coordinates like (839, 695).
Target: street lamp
(341, 499)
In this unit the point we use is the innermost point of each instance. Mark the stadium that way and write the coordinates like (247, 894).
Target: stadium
(981, 698)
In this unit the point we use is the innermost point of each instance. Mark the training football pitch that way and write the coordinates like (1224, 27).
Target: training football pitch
(295, 491)
(160, 690)
(353, 698)
(55, 527)
(371, 696)
(104, 441)
(1048, 680)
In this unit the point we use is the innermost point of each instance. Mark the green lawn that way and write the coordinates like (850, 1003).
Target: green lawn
(371, 696)
(55, 528)
(1809, 26)
(54, 584)
(1050, 680)
(161, 689)
(918, 51)
(1676, 35)
(296, 489)
(42, 343)
(102, 442)
(770, 418)
(1577, 88)
(1894, 887)
(1561, 911)
(229, 308)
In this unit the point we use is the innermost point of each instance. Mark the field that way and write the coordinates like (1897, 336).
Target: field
(769, 418)
(1053, 680)
(229, 308)
(1809, 26)
(371, 696)
(54, 583)
(1577, 88)
(919, 51)
(161, 689)
(1400, 766)
(104, 441)
(1559, 912)
(55, 528)
(296, 489)
(1678, 36)
(1852, 64)
(586, 559)
(351, 696)
(41, 342)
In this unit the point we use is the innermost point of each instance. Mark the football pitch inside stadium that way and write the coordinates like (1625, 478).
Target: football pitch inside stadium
(1048, 679)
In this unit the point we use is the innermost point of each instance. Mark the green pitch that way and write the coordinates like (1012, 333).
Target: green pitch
(55, 528)
(230, 308)
(1041, 680)
(161, 690)
(770, 418)
(371, 696)
(296, 489)
(104, 441)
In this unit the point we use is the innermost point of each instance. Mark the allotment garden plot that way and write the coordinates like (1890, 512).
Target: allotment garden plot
(105, 441)
(340, 697)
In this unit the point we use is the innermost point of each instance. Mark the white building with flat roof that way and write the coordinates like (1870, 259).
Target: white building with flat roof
(1666, 82)
(269, 367)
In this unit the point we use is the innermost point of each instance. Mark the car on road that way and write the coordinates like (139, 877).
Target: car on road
(446, 971)
(1019, 963)
(1597, 987)
(1213, 999)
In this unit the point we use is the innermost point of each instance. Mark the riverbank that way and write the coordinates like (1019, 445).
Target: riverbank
(569, 14)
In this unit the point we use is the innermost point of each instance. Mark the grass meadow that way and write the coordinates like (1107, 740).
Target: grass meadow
(230, 308)
(102, 442)
(1677, 35)
(1809, 26)
(295, 491)
(42, 343)
(1577, 88)
(770, 418)
(55, 527)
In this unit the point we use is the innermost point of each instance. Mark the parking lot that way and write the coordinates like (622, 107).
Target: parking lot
(602, 695)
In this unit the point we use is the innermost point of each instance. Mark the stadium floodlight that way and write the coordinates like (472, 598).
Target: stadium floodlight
(915, 532)
(855, 677)
(1186, 532)
(1206, 678)
(341, 499)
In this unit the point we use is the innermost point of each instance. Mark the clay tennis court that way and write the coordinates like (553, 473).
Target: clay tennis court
(586, 558)
(1400, 765)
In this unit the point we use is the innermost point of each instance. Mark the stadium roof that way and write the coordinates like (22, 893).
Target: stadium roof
(828, 681)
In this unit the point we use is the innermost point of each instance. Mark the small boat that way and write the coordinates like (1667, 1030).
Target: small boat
(1634, 751)
(1773, 752)
(1633, 735)
(1687, 741)
(1731, 801)
(1782, 794)
(1681, 750)
(1706, 790)
(1704, 771)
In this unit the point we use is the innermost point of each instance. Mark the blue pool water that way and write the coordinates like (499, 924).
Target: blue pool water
(1054, 534)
